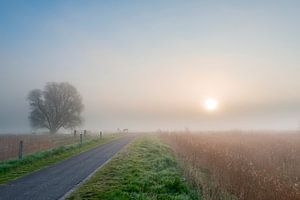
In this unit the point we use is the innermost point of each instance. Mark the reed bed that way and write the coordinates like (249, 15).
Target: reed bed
(241, 165)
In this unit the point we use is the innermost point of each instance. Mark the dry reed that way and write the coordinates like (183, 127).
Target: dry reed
(249, 165)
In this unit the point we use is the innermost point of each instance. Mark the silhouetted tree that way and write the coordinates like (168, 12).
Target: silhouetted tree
(58, 105)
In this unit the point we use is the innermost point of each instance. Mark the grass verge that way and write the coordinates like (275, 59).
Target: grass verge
(12, 169)
(145, 170)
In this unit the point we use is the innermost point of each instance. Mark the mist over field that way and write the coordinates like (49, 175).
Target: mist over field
(150, 65)
(161, 99)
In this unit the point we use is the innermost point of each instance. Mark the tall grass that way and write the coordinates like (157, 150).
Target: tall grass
(9, 143)
(261, 166)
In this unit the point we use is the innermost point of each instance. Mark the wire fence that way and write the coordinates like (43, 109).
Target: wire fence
(11, 147)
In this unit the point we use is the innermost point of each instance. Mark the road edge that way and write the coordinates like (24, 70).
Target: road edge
(66, 195)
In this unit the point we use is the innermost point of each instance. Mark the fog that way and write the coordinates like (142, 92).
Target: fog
(150, 65)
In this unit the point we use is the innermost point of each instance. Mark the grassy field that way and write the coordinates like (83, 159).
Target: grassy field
(145, 170)
(9, 143)
(13, 169)
(249, 165)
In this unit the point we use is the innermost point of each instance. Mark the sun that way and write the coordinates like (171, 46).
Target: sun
(211, 104)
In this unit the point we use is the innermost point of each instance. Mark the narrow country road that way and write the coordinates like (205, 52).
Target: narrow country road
(56, 180)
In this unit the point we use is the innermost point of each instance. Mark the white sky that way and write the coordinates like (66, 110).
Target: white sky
(146, 66)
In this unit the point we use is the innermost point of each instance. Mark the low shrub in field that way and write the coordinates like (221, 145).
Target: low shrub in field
(146, 170)
(251, 166)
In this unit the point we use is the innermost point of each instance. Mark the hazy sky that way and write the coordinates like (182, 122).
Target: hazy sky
(150, 64)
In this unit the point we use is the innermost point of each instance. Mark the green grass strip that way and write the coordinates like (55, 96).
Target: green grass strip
(145, 170)
(12, 169)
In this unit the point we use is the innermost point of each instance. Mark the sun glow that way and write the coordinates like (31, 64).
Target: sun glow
(211, 104)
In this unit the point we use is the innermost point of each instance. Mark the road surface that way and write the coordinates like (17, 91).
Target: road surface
(55, 181)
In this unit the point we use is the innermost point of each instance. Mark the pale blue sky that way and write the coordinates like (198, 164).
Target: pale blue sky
(150, 64)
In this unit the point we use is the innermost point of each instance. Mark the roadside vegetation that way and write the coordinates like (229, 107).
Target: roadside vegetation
(12, 169)
(249, 165)
(146, 170)
(32, 143)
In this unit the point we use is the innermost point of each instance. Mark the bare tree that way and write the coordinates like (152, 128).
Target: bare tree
(59, 105)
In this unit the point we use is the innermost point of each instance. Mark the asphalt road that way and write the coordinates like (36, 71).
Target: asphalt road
(55, 181)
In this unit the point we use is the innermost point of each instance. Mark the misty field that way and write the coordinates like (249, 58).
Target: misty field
(9, 144)
(242, 165)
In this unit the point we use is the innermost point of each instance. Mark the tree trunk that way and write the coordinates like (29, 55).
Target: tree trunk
(53, 131)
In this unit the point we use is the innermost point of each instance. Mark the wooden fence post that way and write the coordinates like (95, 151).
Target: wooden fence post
(80, 138)
(21, 149)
